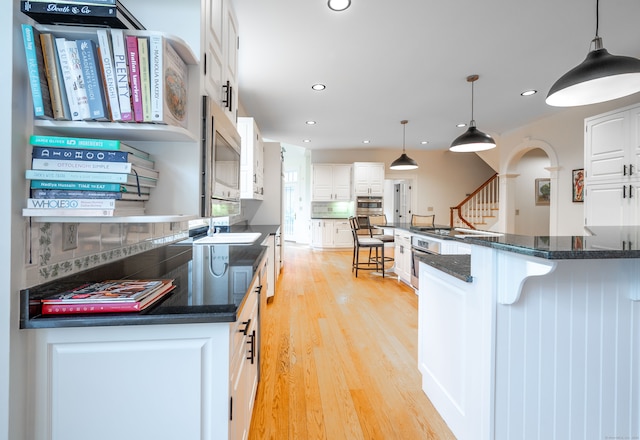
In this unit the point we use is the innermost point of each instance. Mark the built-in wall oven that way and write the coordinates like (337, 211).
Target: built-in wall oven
(421, 245)
(220, 163)
(366, 206)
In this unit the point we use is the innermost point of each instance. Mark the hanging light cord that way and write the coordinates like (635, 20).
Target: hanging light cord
(597, 16)
(472, 121)
(404, 131)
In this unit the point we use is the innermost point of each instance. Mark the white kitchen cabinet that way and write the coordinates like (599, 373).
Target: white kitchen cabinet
(612, 158)
(402, 255)
(368, 178)
(331, 233)
(179, 381)
(269, 242)
(331, 182)
(251, 160)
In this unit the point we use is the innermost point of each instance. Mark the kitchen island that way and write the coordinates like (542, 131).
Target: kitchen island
(185, 368)
(540, 340)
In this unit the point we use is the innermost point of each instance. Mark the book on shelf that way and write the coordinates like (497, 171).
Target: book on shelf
(80, 165)
(57, 92)
(74, 142)
(71, 203)
(92, 77)
(122, 208)
(88, 186)
(133, 59)
(81, 194)
(108, 74)
(111, 295)
(168, 83)
(145, 90)
(81, 2)
(122, 74)
(86, 176)
(90, 155)
(72, 77)
(111, 15)
(42, 107)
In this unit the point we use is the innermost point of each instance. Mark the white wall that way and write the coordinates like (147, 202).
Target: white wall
(564, 134)
(531, 219)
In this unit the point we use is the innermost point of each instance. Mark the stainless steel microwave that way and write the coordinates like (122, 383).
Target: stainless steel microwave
(220, 163)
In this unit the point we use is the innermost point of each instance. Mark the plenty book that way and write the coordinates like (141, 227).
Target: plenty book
(108, 296)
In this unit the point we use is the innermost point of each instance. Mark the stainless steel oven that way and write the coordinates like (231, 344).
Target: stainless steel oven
(366, 206)
(421, 245)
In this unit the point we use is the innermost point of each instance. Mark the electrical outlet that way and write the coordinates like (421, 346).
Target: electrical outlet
(69, 236)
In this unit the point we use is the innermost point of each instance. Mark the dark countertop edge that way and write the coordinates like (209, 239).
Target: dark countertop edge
(458, 266)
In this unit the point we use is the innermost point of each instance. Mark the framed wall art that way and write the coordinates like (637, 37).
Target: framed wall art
(543, 191)
(578, 185)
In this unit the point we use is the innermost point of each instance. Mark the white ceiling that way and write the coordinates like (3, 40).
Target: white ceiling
(384, 61)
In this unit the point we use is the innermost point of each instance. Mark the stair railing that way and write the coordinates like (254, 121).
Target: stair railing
(477, 205)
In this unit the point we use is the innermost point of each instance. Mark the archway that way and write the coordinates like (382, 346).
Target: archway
(515, 177)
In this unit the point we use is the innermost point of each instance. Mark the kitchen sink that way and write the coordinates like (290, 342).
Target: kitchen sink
(229, 238)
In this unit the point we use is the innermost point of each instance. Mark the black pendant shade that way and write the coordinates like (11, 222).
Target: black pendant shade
(404, 162)
(472, 139)
(600, 77)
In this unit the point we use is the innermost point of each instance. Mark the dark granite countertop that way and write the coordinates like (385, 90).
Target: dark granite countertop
(200, 296)
(458, 266)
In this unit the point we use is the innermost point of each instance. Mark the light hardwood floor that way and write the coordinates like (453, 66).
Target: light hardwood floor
(339, 356)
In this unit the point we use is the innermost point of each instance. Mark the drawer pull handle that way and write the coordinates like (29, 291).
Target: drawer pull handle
(246, 327)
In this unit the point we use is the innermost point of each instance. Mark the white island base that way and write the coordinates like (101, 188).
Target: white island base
(533, 348)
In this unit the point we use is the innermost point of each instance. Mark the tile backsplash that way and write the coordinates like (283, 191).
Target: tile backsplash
(98, 243)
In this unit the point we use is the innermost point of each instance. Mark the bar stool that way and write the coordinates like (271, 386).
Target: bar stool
(380, 220)
(422, 220)
(366, 242)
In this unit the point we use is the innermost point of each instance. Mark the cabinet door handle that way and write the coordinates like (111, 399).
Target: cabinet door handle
(624, 170)
(246, 327)
(630, 191)
(228, 96)
(252, 347)
(631, 169)
(624, 191)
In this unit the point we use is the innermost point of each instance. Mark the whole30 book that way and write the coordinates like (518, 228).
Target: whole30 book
(40, 95)
(71, 203)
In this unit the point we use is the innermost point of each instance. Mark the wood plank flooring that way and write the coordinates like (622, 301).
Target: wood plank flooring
(339, 356)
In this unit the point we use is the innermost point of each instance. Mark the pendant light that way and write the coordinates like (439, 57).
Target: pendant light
(472, 139)
(404, 162)
(600, 77)
(338, 5)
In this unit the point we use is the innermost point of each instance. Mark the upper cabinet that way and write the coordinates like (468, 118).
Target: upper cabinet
(368, 178)
(251, 160)
(612, 174)
(331, 182)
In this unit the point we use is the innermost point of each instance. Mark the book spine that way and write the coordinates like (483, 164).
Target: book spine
(71, 203)
(81, 165)
(81, 2)
(77, 80)
(73, 142)
(92, 75)
(63, 309)
(52, 67)
(175, 87)
(79, 154)
(35, 68)
(145, 172)
(108, 74)
(155, 77)
(134, 77)
(76, 176)
(59, 10)
(74, 194)
(122, 74)
(145, 86)
(49, 212)
(67, 78)
(77, 186)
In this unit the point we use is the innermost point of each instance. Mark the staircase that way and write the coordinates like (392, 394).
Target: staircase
(480, 209)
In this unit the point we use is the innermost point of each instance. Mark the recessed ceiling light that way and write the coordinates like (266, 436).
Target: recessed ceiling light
(461, 125)
(424, 142)
(310, 122)
(366, 141)
(338, 5)
(529, 92)
(306, 140)
(318, 86)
